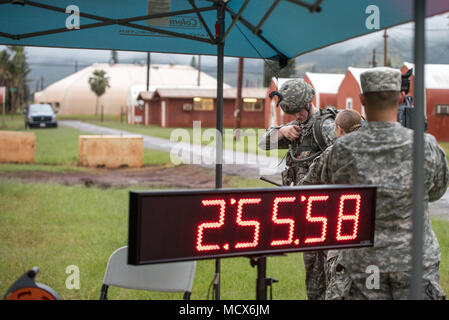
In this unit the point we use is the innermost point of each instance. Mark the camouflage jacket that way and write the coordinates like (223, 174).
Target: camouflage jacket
(306, 148)
(313, 176)
(381, 153)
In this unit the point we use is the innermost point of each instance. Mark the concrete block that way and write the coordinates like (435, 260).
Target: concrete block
(110, 151)
(17, 147)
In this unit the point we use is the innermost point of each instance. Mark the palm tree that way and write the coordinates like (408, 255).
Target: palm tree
(98, 84)
(14, 70)
(5, 68)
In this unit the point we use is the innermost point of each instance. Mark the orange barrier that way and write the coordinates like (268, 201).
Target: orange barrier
(110, 151)
(17, 147)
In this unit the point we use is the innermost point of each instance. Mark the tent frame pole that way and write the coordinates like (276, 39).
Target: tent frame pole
(107, 22)
(416, 288)
(220, 28)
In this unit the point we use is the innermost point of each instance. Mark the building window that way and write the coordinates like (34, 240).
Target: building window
(252, 104)
(203, 104)
(442, 109)
(349, 103)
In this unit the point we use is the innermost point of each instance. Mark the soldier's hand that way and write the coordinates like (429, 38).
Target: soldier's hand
(290, 132)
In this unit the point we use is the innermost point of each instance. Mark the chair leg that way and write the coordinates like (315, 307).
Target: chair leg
(187, 295)
(104, 292)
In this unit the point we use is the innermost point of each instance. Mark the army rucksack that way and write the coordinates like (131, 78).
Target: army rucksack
(318, 126)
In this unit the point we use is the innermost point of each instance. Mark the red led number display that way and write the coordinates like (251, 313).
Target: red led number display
(290, 222)
(348, 213)
(210, 225)
(354, 216)
(314, 219)
(182, 225)
(248, 223)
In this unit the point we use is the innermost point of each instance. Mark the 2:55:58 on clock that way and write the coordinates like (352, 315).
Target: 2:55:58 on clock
(202, 224)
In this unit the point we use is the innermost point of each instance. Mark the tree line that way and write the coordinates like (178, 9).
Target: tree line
(14, 70)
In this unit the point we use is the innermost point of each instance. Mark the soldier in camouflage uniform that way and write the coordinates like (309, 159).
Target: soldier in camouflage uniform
(380, 153)
(347, 121)
(306, 137)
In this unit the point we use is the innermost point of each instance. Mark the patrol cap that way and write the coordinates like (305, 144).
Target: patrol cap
(296, 95)
(381, 79)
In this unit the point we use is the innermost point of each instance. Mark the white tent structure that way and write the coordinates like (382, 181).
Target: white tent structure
(73, 96)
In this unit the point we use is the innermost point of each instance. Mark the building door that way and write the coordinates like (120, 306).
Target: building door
(349, 104)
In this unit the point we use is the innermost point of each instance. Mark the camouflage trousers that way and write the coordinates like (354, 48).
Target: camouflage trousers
(314, 263)
(391, 286)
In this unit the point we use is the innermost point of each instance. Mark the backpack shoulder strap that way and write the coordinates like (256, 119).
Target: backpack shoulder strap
(318, 126)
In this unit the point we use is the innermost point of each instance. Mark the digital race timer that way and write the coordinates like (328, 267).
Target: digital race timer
(167, 226)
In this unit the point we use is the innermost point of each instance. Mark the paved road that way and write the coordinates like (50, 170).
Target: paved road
(235, 163)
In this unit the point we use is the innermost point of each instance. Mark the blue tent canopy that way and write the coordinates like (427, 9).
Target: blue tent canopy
(269, 29)
(273, 29)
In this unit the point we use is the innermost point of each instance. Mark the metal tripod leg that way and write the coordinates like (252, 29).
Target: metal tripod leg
(262, 281)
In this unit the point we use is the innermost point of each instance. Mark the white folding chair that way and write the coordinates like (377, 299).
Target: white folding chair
(166, 277)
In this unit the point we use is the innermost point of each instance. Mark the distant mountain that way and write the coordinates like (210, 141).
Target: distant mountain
(337, 60)
(333, 59)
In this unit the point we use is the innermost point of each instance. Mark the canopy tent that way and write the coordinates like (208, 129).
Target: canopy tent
(272, 29)
(254, 29)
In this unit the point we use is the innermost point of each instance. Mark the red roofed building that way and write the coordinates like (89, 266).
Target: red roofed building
(349, 91)
(326, 88)
(437, 98)
(179, 107)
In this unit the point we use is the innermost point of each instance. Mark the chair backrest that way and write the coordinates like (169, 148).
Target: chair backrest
(175, 276)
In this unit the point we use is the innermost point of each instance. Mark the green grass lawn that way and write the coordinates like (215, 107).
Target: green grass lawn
(445, 146)
(53, 226)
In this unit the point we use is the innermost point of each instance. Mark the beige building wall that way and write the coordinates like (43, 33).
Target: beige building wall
(73, 96)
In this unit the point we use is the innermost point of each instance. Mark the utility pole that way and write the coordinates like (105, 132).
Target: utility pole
(148, 71)
(238, 101)
(385, 47)
(76, 65)
(374, 63)
(199, 71)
